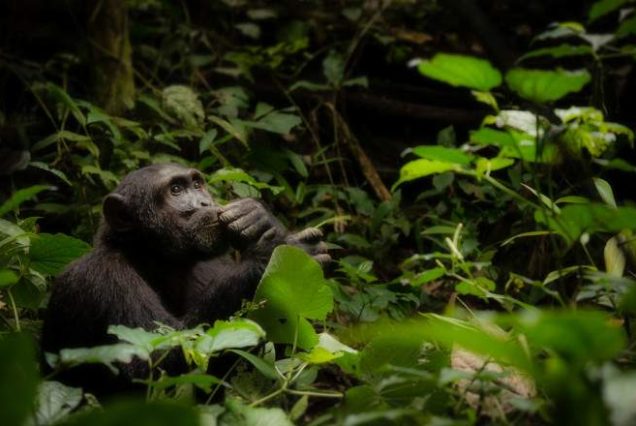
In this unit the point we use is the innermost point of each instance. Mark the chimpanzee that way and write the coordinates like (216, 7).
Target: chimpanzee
(162, 254)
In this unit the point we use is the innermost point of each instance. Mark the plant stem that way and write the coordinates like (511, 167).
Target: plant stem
(494, 182)
(270, 396)
(16, 317)
(320, 394)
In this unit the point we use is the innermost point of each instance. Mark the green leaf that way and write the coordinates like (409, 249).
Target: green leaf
(441, 153)
(19, 378)
(201, 381)
(578, 336)
(230, 174)
(614, 258)
(8, 278)
(276, 122)
(43, 166)
(421, 168)
(55, 401)
(543, 86)
(142, 339)
(266, 368)
(463, 71)
(401, 343)
(427, 276)
(294, 290)
(238, 333)
(231, 128)
(560, 51)
(245, 415)
(605, 191)
(327, 350)
(106, 354)
(603, 7)
(63, 98)
(487, 165)
(207, 140)
(627, 27)
(20, 197)
(139, 413)
(575, 219)
(51, 253)
(333, 67)
(183, 104)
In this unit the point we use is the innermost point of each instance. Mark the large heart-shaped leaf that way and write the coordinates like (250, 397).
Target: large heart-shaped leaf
(294, 290)
(462, 71)
(543, 86)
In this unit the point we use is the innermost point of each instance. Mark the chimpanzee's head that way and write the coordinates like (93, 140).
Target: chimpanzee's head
(165, 209)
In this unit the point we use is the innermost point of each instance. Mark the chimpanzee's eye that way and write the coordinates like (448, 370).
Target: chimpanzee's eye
(176, 189)
(197, 184)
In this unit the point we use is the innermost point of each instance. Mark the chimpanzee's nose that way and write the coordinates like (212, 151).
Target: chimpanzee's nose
(205, 203)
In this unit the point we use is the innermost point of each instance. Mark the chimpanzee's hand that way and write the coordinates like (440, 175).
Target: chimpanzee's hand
(310, 240)
(250, 226)
(253, 229)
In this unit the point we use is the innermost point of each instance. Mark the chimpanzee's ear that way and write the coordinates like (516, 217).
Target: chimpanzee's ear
(116, 212)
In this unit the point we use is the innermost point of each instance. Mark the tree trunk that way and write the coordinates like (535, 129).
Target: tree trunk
(113, 80)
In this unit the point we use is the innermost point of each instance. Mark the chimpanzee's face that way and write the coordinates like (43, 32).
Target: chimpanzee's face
(168, 208)
(183, 201)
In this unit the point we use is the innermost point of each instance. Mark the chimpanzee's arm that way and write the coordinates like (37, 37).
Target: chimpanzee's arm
(219, 285)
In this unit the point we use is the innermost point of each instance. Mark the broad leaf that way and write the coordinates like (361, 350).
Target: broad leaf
(561, 51)
(276, 122)
(543, 86)
(130, 412)
(463, 71)
(51, 253)
(578, 336)
(627, 27)
(107, 355)
(238, 333)
(20, 197)
(421, 168)
(603, 7)
(245, 415)
(575, 219)
(294, 290)
(55, 401)
(8, 278)
(441, 153)
(19, 378)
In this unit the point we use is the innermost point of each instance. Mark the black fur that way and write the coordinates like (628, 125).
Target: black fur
(162, 254)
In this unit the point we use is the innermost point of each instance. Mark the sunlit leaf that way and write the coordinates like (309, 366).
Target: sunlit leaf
(238, 333)
(605, 191)
(614, 258)
(441, 153)
(421, 168)
(543, 86)
(106, 354)
(55, 401)
(245, 415)
(459, 70)
(294, 290)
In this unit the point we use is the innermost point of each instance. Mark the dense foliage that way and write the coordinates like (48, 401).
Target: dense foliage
(474, 186)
